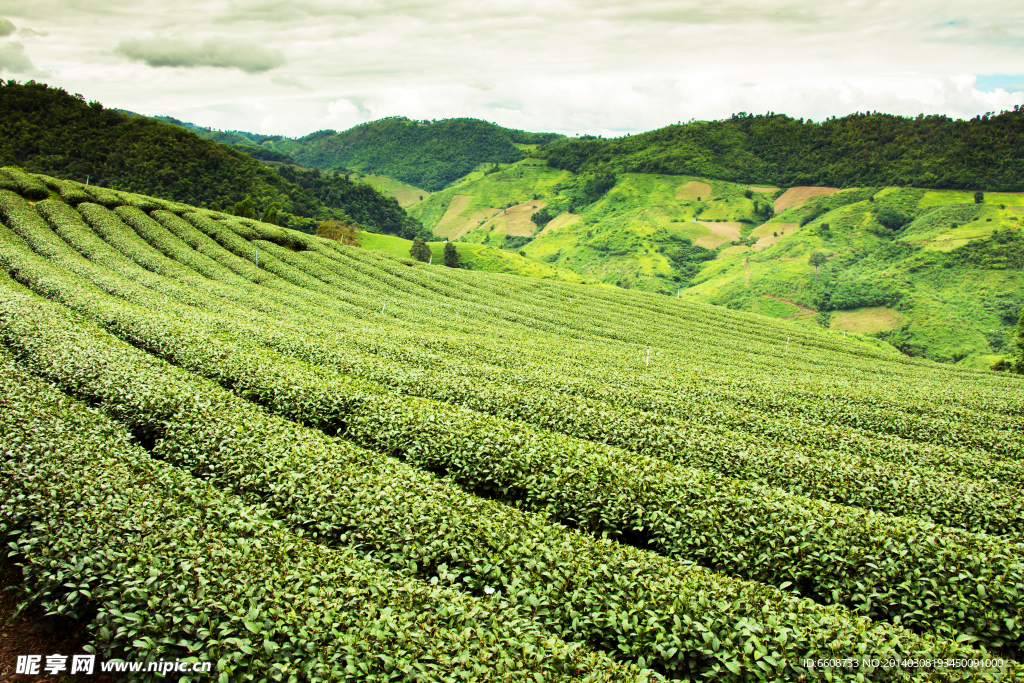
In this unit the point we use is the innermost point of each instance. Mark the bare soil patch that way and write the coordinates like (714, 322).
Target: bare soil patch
(767, 236)
(458, 219)
(754, 188)
(694, 191)
(867, 320)
(515, 220)
(798, 196)
(559, 222)
(720, 233)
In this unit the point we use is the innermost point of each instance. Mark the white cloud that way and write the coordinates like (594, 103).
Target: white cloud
(573, 66)
(224, 54)
(15, 60)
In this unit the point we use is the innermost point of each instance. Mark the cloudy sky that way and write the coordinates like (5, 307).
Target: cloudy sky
(570, 66)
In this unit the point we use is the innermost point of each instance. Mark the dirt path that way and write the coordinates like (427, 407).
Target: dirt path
(747, 268)
(806, 311)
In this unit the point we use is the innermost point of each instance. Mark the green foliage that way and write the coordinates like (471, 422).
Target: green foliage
(723, 451)
(419, 250)
(855, 150)
(362, 203)
(542, 217)
(431, 156)
(979, 197)
(244, 208)
(451, 255)
(39, 126)
(162, 566)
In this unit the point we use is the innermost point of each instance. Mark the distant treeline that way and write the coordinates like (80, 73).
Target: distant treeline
(985, 153)
(46, 130)
(430, 155)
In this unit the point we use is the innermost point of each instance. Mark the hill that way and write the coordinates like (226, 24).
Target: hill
(427, 154)
(747, 247)
(937, 273)
(985, 153)
(337, 437)
(46, 130)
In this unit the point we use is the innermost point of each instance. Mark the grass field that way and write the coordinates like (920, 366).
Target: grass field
(407, 195)
(349, 466)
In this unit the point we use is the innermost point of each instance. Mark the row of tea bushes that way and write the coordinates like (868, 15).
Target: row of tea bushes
(679, 619)
(175, 570)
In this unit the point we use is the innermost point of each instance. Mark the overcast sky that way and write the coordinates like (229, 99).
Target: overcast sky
(596, 66)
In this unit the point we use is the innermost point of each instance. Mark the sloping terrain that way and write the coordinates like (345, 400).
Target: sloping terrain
(937, 273)
(336, 454)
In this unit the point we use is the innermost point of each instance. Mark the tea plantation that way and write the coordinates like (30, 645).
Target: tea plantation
(223, 440)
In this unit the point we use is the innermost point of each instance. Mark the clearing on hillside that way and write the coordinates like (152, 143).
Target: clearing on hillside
(694, 191)
(458, 219)
(559, 222)
(406, 194)
(755, 188)
(722, 232)
(800, 195)
(867, 320)
(515, 220)
(770, 233)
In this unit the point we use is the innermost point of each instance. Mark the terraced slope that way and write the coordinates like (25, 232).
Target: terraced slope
(435, 474)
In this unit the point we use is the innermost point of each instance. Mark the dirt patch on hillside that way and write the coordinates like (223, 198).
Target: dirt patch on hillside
(694, 191)
(720, 234)
(458, 219)
(798, 196)
(754, 188)
(867, 320)
(561, 221)
(515, 220)
(767, 236)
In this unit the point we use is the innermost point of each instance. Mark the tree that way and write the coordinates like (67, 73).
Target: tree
(541, 218)
(817, 260)
(245, 208)
(979, 197)
(338, 231)
(270, 214)
(451, 255)
(419, 250)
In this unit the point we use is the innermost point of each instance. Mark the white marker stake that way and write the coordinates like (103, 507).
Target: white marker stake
(648, 356)
(431, 262)
(257, 256)
(383, 307)
(787, 345)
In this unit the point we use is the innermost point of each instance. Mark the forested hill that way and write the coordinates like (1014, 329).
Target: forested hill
(985, 153)
(46, 130)
(426, 154)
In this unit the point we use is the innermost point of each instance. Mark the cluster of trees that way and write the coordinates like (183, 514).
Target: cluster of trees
(46, 130)
(421, 252)
(338, 231)
(430, 156)
(361, 202)
(855, 150)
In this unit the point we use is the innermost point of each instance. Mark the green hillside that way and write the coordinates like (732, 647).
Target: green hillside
(985, 153)
(336, 454)
(46, 130)
(426, 154)
(951, 294)
(930, 271)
